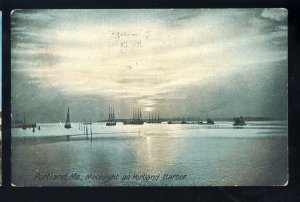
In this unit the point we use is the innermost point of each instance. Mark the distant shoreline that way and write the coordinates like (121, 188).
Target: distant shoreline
(180, 119)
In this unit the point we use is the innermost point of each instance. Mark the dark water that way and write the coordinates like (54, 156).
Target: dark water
(191, 155)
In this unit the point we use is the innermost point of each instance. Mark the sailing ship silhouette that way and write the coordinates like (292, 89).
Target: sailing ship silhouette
(68, 124)
(111, 117)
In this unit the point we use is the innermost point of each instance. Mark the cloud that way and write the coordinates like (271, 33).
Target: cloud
(277, 14)
(154, 59)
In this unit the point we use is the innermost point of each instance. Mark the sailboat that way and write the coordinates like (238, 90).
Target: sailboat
(154, 119)
(139, 119)
(68, 124)
(136, 118)
(239, 121)
(172, 122)
(183, 121)
(208, 122)
(111, 117)
(24, 125)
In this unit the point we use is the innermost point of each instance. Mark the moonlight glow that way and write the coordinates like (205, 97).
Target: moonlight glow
(167, 61)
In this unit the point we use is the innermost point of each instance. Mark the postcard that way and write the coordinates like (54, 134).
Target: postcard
(149, 97)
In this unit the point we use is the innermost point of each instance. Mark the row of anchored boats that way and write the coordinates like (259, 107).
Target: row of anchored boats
(136, 120)
(154, 118)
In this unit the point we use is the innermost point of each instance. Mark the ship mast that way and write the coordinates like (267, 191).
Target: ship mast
(68, 125)
(133, 117)
(108, 113)
(68, 117)
(140, 113)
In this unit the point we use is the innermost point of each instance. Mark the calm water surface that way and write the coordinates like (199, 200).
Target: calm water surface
(205, 155)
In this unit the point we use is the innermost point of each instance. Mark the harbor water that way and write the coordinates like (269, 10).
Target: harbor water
(151, 155)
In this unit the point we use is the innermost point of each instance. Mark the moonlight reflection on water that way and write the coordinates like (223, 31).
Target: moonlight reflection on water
(218, 155)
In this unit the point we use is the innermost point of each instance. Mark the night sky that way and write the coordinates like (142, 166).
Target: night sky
(201, 62)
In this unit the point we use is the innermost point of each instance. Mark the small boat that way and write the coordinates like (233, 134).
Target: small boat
(183, 121)
(24, 125)
(68, 124)
(87, 122)
(172, 122)
(239, 121)
(208, 122)
(16, 123)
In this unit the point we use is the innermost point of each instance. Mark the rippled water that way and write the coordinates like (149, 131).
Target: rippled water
(195, 155)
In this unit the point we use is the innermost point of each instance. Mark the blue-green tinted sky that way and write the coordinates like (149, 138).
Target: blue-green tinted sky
(186, 62)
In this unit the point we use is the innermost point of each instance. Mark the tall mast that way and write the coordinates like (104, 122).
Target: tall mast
(136, 114)
(133, 115)
(68, 117)
(141, 113)
(109, 113)
(114, 114)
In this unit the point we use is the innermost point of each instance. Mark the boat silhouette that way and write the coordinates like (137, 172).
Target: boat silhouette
(111, 117)
(136, 118)
(239, 121)
(68, 124)
(208, 122)
(153, 119)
